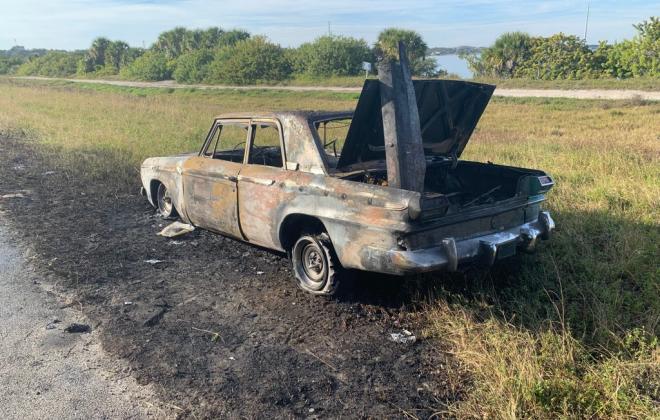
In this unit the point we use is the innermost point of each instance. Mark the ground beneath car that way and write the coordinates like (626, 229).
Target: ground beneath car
(217, 326)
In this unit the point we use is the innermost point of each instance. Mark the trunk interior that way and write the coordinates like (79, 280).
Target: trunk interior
(449, 189)
(473, 183)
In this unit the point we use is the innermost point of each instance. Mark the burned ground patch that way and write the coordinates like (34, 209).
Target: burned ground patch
(218, 325)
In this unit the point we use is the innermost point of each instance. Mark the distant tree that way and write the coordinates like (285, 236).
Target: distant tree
(387, 46)
(95, 57)
(151, 66)
(116, 54)
(331, 56)
(230, 38)
(179, 41)
(208, 38)
(193, 67)
(106, 57)
(250, 61)
(173, 43)
(503, 57)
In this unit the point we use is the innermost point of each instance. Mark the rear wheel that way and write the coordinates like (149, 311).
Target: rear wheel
(164, 202)
(315, 264)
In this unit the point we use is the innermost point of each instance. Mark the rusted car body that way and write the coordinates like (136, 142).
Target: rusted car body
(297, 184)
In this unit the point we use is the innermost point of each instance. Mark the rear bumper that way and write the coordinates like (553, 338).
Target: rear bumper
(450, 253)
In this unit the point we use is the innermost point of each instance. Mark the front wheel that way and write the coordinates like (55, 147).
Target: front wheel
(164, 202)
(315, 264)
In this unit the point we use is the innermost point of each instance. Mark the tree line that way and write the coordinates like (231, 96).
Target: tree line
(560, 56)
(215, 55)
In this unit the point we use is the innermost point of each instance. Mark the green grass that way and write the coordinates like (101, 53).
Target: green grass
(568, 332)
(641, 83)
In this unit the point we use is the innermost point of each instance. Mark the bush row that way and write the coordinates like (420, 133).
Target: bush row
(217, 56)
(518, 55)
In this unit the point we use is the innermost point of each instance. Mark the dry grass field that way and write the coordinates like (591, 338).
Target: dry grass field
(571, 331)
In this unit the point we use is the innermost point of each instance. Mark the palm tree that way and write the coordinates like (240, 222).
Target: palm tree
(95, 56)
(171, 42)
(115, 54)
(387, 46)
(509, 50)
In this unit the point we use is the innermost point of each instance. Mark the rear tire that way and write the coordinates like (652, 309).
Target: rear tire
(164, 203)
(315, 264)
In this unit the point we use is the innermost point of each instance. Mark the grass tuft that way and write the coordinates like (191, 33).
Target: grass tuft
(516, 373)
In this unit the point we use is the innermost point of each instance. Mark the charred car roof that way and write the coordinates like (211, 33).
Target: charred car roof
(308, 115)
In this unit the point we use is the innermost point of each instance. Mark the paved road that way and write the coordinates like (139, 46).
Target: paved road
(47, 373)
(518, 93)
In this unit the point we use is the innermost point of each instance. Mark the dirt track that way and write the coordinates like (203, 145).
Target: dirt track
(517, 93)
(216, 325)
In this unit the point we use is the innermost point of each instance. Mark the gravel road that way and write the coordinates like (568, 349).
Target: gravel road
(47, 372)
(517, 93)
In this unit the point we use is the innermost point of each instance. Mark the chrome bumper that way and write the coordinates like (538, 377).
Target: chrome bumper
(484, 249)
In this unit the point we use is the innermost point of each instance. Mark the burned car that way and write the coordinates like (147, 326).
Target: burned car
(318, 185)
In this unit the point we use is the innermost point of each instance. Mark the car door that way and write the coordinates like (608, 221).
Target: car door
(210, 179)
(261, 192)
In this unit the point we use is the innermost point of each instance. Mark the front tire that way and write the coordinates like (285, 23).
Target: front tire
(164, 203)
(315, 264)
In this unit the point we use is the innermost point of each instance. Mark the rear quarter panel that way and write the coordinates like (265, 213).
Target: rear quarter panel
(355, 215)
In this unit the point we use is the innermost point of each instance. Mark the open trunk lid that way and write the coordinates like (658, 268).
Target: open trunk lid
(448, 113)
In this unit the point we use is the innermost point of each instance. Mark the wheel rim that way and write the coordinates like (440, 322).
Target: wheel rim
(164, 201)
(311, 264)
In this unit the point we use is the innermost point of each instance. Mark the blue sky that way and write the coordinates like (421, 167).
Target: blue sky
(74, 24)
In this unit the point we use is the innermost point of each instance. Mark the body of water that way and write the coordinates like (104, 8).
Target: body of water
(453, 64)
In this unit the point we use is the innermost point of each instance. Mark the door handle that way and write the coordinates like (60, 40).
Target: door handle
(232, 178)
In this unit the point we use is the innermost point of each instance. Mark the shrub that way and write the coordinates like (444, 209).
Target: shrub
(51, 64)
(9, 65)
(639, 56)
(331, 56)
(193, 67)
(568, 57)
(151, 66)
(250, 61)
(558, 57)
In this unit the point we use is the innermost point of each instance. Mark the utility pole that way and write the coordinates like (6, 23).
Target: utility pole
(329, 29)
(586, 23)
